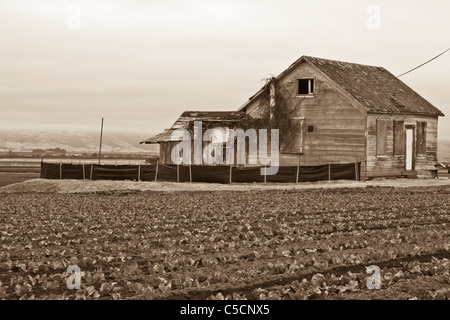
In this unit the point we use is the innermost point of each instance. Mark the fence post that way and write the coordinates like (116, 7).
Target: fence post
(190, 173)
(92, 170)
(178, 173)
(84, 173)
(231, 172)
(356, 171)
(41, 175)
(139, 172)
(265, 175)
(329, 172)
(60, 170)
(298, 168)
(156, 173)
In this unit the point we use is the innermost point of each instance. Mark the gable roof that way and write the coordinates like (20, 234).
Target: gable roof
(187, 117)
(374, 88)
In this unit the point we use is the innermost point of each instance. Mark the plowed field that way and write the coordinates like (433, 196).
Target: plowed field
(259, 244)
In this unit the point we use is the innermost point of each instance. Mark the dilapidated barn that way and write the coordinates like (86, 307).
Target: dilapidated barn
(338, 112)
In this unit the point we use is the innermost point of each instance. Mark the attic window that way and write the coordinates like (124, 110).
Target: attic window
(305, 87)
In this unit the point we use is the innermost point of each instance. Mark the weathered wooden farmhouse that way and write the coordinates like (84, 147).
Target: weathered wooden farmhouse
(338, 112)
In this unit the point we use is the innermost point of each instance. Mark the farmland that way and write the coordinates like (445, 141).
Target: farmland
(259, 244)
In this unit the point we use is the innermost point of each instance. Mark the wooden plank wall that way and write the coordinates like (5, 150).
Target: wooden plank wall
(338, 126)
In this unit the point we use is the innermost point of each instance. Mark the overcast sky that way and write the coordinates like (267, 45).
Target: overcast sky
(140, 64)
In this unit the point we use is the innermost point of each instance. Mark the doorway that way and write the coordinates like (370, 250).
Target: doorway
(409, 164)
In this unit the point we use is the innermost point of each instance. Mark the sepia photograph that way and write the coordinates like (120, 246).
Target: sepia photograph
(213, 157)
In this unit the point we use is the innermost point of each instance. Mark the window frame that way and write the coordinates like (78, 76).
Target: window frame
(310, 94)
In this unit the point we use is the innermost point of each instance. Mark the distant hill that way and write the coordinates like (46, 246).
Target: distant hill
(80, 141)
(444, 150)
(73, 141)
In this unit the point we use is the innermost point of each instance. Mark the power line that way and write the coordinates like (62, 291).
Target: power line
(423, 63)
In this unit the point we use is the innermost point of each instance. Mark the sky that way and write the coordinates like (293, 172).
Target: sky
(140, 64)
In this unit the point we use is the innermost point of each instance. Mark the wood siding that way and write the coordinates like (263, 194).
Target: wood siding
(339, 125)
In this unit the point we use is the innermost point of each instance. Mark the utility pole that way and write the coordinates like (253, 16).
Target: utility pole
(101, 138)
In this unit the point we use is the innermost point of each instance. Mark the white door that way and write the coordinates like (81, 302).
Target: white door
(409, 148)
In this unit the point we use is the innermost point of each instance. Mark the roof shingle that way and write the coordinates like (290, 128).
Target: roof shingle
(187, 117)
(375, 88)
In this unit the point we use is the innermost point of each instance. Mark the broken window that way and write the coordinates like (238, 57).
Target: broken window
(382, 133)
(399, 137)
(421, 137)
(305, 86)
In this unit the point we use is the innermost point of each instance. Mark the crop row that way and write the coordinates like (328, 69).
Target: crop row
(330, 286)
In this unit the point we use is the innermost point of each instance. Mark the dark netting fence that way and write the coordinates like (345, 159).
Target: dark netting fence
(217, 174)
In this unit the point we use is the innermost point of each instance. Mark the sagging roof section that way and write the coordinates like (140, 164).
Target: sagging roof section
(187, 117)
